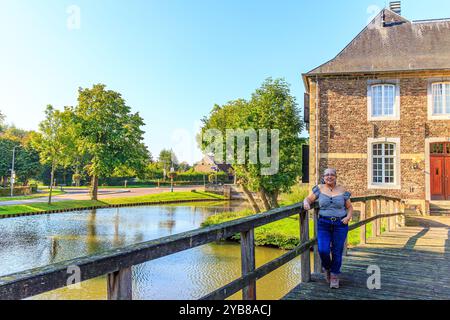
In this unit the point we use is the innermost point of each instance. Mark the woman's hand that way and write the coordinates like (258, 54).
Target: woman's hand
(306, 205)
(346, 220)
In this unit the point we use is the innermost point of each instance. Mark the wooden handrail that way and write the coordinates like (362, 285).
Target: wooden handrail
(117, 263)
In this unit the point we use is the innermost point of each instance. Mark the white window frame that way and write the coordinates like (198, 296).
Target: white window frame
(397, 164)
(431, 115)
(396, 108)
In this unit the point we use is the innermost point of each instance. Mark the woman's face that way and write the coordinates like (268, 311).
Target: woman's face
(330, 177)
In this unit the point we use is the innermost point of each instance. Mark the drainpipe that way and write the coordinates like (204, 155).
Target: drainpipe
(317, 130)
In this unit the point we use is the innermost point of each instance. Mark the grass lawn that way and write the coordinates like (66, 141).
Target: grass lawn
(32, 196)
(39, 207)
(80, 204)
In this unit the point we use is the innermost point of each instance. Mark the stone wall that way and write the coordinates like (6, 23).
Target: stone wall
(345, 129)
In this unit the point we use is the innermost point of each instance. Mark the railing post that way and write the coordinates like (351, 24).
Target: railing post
(391, 221)
(317, 261)
(119, 285)
(398, 217)
(248, 262)
(345, 250)
(378, 221)
(305, 263)
(362, 216)
(384, 210)
(402, 217)
(373, 213)
(388, 211)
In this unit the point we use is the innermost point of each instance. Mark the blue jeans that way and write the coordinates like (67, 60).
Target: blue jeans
(331, 237)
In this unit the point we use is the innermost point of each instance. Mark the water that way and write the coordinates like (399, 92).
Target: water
(29, 242)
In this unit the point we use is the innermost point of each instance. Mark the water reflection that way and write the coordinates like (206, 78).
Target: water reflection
(29, 242)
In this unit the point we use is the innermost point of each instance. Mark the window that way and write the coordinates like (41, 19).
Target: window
(383, 155)
(383, 163)
(440, 93)
(383, 100)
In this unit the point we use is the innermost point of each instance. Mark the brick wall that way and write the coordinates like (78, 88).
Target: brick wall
(344, 130)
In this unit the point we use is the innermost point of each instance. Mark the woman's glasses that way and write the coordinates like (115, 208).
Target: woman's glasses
(329, 175)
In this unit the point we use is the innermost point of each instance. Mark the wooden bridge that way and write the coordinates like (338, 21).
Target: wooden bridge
(413, 261)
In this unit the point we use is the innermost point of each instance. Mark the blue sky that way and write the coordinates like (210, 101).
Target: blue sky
(172, 60)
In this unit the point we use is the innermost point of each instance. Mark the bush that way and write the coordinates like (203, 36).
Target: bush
(18, 191)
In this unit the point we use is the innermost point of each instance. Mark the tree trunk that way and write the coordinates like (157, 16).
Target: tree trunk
(262, 195)
(251, 199)
(94, 188)
(274, 199)
(52, 176)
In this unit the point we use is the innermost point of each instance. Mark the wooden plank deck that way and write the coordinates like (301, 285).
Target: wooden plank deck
(414, 263)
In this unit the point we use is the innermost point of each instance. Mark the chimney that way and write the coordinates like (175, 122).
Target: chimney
(396, 6)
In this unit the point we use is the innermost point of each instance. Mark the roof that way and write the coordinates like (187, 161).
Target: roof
(395, 45)
(210, 159)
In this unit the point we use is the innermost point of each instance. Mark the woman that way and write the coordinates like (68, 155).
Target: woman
(335, 213)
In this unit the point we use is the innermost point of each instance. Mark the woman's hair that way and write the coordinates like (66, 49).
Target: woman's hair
(332, 170)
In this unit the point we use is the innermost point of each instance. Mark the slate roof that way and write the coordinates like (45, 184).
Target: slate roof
(395, 45)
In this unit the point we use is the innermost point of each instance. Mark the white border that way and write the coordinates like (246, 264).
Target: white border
(397, 168)
(396, 116)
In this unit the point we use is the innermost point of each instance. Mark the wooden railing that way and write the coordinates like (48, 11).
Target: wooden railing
(117, 263)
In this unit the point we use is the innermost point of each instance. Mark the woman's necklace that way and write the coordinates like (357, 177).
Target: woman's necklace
(331, 188)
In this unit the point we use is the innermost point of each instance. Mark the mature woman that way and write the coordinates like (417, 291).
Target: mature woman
(335, 213)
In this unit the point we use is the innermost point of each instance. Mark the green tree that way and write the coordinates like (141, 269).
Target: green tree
(6, 147)
(27, 164)
(2, 122)
(54, 142)
(271, 107)
(108, 133)
(167, 159)
(184, 166)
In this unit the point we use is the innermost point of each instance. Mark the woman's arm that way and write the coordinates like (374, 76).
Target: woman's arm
(349, 207)
(309, 200)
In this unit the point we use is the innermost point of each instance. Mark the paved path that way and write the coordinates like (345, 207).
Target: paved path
(83, 194)
(414, 262)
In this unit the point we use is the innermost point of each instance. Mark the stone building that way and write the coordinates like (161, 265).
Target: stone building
(209, 165)
(379, 112)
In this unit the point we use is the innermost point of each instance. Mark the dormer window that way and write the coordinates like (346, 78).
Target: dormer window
(383, 101)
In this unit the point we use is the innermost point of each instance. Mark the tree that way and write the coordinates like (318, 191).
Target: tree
(167, 159)
(270, 107)
(108, 133)
(184, 166)
(6, 147)
(54, 142)
(27, 164)
(2, 122)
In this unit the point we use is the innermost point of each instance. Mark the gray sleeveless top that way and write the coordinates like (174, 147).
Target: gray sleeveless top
(332, 206)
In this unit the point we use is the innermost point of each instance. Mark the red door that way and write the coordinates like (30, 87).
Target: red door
(440, 171)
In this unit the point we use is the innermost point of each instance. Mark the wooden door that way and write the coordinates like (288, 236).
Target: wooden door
(437, 178)
(440, 171)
